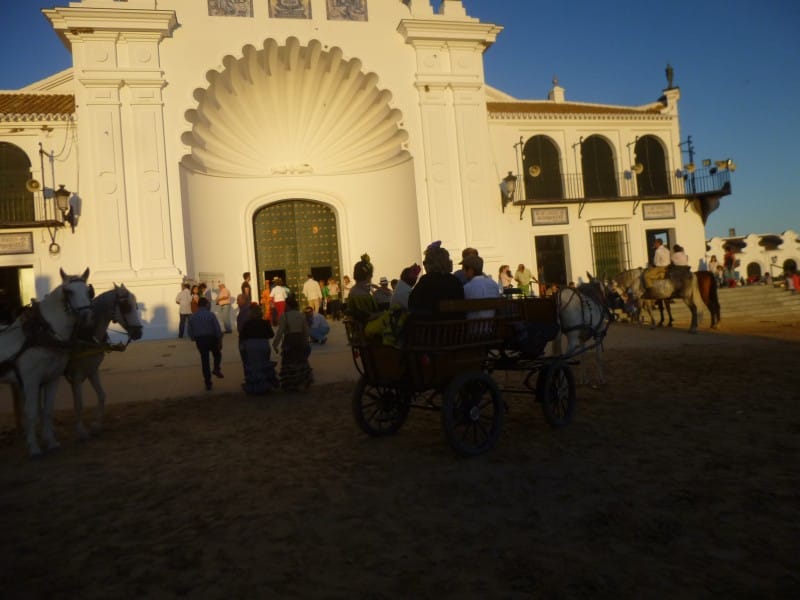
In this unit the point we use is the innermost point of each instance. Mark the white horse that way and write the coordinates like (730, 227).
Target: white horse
(34, 351)
(118, 305)
(583, 317)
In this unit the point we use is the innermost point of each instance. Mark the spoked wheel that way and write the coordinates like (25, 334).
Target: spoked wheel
(379, 410)
(472, 413)
(555, 390)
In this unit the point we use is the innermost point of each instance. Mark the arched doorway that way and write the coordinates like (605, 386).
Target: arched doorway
(294, 238)
(597, 165)
(16, 201)
(542, 168)
(652, 180)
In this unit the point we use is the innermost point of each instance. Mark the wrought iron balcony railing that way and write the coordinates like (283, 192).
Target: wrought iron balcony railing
(27, 210)
(628, 186)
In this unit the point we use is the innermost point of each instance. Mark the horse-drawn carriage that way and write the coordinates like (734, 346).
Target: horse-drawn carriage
(447, 366)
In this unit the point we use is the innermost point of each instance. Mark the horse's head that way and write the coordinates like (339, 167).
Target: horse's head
(126, 312)
(77, 295)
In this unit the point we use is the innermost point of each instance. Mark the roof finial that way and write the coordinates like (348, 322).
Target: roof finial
(555, 79)
(670, 75)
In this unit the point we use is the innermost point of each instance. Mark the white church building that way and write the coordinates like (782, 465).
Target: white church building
(204, 138)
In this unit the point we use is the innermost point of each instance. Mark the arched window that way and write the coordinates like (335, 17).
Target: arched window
(652, 181)
(542, 169)
(16, 202)
(597, 166)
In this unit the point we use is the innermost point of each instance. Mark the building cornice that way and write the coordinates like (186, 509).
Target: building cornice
(79, 22)
(434, 31)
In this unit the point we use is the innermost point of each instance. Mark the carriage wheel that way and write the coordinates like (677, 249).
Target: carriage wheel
(472, 413)
(379, 410)
(555, 390)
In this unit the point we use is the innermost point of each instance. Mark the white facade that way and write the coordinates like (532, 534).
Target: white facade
(186, 125)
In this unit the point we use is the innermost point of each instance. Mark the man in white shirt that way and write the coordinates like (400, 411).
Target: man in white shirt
(661, 260)
(184, 302)
(478, 286)
(313, 293)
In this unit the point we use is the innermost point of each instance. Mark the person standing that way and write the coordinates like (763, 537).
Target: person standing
(205, 332)
(291, 340)
(347, 285)
(266, 303)
(524, 278)
(312, 292)
(505, 279)
(278, 296)
(224, 303)
(246, 289)
(334, 305)
(195, 298)
(184, 302)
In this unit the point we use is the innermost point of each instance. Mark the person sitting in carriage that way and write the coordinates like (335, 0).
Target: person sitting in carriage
(437, 284)
(361, 306)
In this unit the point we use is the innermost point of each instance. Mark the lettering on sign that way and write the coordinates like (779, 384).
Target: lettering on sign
(550, 216)
(660, 210)
(16, 243)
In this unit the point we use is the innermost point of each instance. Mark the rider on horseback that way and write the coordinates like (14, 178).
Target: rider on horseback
(661, 260)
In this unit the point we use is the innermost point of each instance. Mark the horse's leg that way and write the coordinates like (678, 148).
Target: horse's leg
(100, 411)
(668, 304)
(77, 401)
(48, 405)
(660, 306)
(648, 305)
(693, 309)
(31, 393)
(598, 356)
(19, 406)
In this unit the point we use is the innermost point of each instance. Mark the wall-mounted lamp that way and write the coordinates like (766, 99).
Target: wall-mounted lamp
(508, 189)
(63, 205)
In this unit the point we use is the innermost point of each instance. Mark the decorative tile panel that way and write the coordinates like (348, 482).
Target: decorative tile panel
(290, 9)
(347, 10)
(230, 8)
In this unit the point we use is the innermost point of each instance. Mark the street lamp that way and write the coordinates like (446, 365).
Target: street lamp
(508, 189)
(63, 205)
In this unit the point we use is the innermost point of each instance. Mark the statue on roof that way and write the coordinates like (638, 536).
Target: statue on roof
(670, 75)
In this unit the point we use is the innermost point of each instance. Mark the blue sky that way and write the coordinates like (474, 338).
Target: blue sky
(737, 63)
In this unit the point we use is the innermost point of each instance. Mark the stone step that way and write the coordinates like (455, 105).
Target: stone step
(750, 301)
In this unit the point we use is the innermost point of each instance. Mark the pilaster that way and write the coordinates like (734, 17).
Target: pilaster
(454, 186)
(119, 83)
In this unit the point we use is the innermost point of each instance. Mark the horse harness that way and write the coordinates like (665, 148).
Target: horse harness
(39, 333)
(598, 333)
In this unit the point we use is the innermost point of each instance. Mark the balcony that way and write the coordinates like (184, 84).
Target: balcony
(26, 210)
(705, 185)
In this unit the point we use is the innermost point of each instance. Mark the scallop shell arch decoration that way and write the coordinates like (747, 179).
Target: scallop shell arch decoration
(292, 110)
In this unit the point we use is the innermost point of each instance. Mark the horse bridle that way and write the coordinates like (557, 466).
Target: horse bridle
(123, 305)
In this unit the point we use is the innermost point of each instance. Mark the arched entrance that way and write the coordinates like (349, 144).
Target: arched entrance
(294, 238)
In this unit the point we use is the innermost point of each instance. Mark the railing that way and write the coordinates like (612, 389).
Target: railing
(26, 209)
(626, 186)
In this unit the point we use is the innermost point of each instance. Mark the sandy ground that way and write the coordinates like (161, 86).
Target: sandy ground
(679, 478)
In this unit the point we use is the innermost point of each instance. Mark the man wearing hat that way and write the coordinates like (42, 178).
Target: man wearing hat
(383, 295)
(478, 285)
(460, 275)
